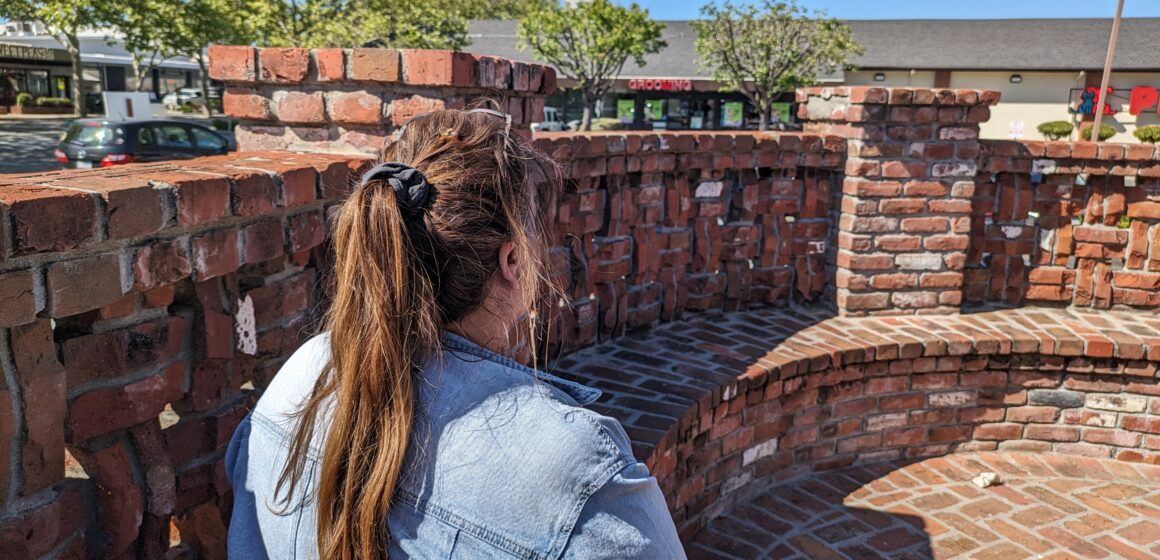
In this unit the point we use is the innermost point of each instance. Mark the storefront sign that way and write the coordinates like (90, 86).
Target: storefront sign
(1143, 97)
(25, 52)
(661, 85)
(1089, 98)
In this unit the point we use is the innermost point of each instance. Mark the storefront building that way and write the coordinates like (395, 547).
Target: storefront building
(37, 64)
(1043, 68)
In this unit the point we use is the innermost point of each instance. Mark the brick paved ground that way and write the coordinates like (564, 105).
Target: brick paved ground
(1049, 506)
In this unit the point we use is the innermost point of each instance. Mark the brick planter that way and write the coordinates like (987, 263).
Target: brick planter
(33, 110)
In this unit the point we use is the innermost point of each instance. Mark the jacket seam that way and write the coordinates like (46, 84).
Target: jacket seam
(589, 394)
(471, 528)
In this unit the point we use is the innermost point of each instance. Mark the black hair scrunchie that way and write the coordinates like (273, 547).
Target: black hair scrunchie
(412, 191)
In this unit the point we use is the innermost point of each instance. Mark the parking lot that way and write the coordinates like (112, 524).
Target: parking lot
(27, 144)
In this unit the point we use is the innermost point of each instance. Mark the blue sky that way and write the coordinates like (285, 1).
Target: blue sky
(935, 9)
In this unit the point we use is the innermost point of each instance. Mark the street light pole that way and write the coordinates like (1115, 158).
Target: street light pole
(1106, 77)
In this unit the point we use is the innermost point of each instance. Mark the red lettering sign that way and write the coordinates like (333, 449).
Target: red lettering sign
(1143, 97)
(661, 85)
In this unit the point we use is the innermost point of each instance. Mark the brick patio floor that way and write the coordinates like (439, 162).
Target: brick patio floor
(1048, 506)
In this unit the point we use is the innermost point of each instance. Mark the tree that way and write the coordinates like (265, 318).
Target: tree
(590, 42)
(143, 27)
(64, 19)
(770, 47)
(202, 23)
(426, 24)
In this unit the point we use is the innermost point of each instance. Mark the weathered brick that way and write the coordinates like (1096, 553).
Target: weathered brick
(82, 285)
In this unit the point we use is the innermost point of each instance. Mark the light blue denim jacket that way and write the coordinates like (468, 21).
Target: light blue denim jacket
(503, 464)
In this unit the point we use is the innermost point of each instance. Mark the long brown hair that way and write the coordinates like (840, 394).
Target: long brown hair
(399, 278)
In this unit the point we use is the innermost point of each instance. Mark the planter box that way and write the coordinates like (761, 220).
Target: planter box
(18, 110)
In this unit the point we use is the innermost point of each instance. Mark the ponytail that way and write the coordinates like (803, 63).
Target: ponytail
(383, 324)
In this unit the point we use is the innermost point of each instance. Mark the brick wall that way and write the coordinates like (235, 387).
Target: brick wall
(1066, 223)
(651, 226)
(142, 310)
(350, 100)
(719, 404)
(905, 202)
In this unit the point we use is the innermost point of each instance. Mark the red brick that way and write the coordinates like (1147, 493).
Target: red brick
(439, 68)
(215, 253)
(925, 225)
(357, 107)
(1140, 423)
(403, 109)
(331, 64)
(246, 104)
(42, 380)
(306, 231)
(1041, 414)
(160, 263)
(104, 410)
(232, 63)
(45, 219)
(283, 65)
(263, 241)
(375, 65)
(16, 292)
(200, 199)
(119, 501)
(1051, 433)
(82, 285)
(299, 107)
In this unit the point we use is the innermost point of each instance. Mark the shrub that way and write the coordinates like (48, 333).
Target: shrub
(607, 124)
(23, 99)
(53, 102)
(186, 108)
(1055, 130)
(1106, 131)
(1148, 134)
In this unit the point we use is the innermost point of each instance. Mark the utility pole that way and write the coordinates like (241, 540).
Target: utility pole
(1102, 95)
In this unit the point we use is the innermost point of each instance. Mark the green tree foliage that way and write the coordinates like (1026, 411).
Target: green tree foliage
(422, 24)
(1055, 130)
(590, 42)
(1148, 134)
(64, 19)
(769, 47)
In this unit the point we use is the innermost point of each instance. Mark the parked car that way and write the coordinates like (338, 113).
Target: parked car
(552, 121)
(104, 143)
(187, 96)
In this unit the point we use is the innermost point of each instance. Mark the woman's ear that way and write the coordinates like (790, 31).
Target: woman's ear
(509, 264)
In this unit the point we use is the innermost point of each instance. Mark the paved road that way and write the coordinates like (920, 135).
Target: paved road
(26, 145)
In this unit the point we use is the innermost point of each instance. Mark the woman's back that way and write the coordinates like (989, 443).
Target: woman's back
(503, 464)
(389, 433)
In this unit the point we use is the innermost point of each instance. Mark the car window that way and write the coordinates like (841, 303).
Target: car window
(206, 140)
(145, 137)
(171, 136)
(92, 134)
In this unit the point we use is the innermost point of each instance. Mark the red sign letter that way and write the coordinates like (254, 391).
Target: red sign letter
(1143, 97)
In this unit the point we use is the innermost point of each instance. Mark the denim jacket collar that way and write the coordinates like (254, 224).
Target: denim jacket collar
(582, 394)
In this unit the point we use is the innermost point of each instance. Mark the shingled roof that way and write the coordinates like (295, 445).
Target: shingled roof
(995, 44)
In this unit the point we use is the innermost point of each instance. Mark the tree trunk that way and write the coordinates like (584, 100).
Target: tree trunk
(74, 54)
(762, 118)
(586, 119)
(138, 72)
(204, 83)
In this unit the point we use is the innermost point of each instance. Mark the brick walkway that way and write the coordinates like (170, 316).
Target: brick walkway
(1049, 506)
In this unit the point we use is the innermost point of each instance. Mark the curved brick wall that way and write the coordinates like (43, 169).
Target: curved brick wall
(738, 401)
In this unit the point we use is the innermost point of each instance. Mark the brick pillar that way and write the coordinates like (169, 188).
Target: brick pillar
(910, 170)
(350, 100)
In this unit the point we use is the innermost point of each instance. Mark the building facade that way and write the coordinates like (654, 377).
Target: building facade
(33, 61)
(1045, 69)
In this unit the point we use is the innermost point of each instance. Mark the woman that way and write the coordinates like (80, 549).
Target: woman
(404, 429)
